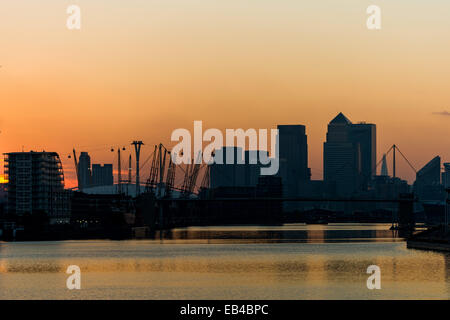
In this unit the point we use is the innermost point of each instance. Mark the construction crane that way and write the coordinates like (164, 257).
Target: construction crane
(151, 181)
(170, 178)
(190, 177)
(163, 182)
(187, 174)
(193, 179)
(158, 169)
(162, 162)
(206, 178)
(206, 181)
(76, 169)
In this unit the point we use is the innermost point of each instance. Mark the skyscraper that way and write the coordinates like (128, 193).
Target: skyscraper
(365, 134)
(84, 171)
(349, 155)
(227, 175)
(430, 174)
(428, 181)
(237, 174)
(36, 184)
(293, 154)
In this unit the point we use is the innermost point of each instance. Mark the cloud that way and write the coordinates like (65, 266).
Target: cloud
(442, 113)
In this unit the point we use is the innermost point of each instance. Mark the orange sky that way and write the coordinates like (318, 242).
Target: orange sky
(140, 69)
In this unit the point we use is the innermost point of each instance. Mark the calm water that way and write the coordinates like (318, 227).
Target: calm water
(282, 262)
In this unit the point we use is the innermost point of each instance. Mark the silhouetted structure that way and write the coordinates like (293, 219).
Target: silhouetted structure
(240, 173)
(342, 157)
(36, 185)
(227, 175)
(386, 187)
(137, 148)
(405, 212)
(101, 216)
(3, 200)
(384, 168)
(293, 154)
(84, 171)
(365, 134)
(446, 175)
(349, 155)
(102, 175)
(428, 181)
(269, 187)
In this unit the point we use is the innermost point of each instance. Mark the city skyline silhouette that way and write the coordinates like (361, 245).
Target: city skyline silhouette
(102, 154)
(329, 121)
(129, 73)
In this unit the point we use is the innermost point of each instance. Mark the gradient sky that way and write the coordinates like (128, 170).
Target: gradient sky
(139, 69)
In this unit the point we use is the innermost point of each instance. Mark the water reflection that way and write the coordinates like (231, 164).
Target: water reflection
(289, 262)
(286, 233)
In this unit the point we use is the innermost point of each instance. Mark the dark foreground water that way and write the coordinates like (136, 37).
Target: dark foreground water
(281, 262)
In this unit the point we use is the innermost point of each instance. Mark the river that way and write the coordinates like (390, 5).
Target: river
(292, 261)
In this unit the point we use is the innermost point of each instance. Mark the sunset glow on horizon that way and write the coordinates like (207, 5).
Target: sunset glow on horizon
(141, 69)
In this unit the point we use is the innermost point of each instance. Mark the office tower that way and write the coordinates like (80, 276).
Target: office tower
(428, 181)
(102, 175)
(430, 174)
(252, 171)
(342, 157)
(235, 174)
(349, 155)
(35, 184)
(84, 171)
(365, 134)
(293, 154)
(223, 174)
(3, 201)
(446, 175)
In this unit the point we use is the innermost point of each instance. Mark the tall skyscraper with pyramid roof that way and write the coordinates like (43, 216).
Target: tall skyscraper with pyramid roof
(349, 155)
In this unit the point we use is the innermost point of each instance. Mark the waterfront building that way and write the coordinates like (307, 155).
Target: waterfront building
(84, 171)
(349, 155)
(428, 181)
(293, 155)
(240, 173)
(36, 185)
(365, 135)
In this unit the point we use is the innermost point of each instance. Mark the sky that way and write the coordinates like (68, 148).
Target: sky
(139, 69)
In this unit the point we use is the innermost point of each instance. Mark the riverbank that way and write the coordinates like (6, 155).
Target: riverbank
(422, 245)
(437, 239)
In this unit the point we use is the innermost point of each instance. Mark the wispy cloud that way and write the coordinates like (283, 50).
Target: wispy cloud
(442, 113)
